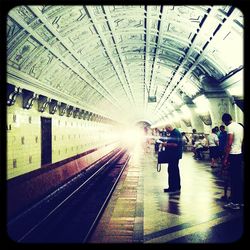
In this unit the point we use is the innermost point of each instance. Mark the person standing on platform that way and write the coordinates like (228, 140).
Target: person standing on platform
(174, 146)
(222, 142)
(195, 136)
(224, 172)
(234, 160)
(217, 130)
(213, 144)
(185, 141)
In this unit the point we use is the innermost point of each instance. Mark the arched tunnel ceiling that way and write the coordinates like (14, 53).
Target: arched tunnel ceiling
(127, 63)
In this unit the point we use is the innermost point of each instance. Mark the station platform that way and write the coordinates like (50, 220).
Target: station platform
(140, 212)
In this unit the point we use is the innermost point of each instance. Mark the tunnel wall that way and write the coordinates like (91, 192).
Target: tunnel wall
(70, 136)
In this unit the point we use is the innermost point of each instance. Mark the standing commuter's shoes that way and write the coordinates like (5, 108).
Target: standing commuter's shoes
(166, 190)
(232, 205)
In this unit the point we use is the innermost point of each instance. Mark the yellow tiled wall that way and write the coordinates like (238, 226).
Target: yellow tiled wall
(23, 140)
(70, 136)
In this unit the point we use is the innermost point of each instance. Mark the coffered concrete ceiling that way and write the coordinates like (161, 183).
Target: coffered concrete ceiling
(128, 63)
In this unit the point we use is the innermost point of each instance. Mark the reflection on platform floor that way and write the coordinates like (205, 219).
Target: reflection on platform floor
(139, 210)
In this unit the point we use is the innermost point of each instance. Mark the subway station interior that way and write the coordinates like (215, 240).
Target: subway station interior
(90, 91)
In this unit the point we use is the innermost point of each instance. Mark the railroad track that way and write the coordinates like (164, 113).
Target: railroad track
(71, 212)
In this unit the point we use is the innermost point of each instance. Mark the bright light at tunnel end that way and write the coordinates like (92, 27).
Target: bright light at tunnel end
(132, 136)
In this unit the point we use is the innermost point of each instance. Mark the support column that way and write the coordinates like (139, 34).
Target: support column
(219, 103)
(196, 121)
(186, 125)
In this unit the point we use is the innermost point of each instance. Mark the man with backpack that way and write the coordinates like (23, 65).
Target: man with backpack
(174, 146)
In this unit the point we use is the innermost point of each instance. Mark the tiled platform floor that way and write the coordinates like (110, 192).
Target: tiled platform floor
(140, 212)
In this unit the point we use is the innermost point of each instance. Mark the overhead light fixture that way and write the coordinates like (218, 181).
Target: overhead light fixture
(170, 107)
(176, 116)
(176, 99)
(186, 113)
(202, 104)
(236, 90)
(189, 88)
(152, 99)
